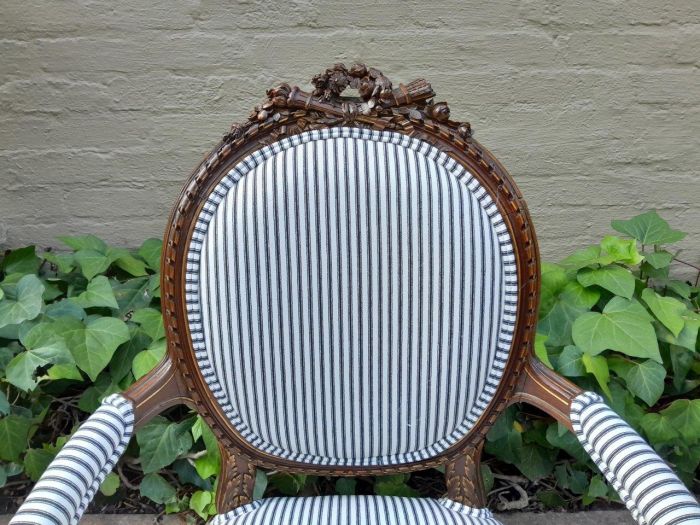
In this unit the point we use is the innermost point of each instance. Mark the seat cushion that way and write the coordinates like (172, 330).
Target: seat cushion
(355, 510)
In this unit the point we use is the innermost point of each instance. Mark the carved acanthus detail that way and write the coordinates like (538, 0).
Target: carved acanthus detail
(463, 476)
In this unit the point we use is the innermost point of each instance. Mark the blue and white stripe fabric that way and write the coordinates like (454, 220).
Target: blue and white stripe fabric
(351, 298)
(354, 510)
(69, 483)
(645, 483)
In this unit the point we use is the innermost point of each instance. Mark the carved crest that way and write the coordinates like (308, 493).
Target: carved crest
(378, 99)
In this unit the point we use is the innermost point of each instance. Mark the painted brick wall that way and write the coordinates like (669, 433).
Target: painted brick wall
(105, 107)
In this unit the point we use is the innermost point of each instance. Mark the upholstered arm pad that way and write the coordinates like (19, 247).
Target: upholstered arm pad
(645, 483)
(69, 483)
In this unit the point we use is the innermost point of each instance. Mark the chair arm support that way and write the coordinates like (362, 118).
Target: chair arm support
(70, 482)
(644, 482)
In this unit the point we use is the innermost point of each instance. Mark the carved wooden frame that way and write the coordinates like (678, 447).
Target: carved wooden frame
(407, 109)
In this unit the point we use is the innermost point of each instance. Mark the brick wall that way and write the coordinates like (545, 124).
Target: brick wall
(594, 106)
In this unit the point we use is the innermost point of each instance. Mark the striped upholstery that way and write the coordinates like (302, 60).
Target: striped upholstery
(351, 298)
(649, 488)
(353, 510)
(66, 488)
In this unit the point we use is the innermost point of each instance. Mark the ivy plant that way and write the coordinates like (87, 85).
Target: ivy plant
(84, 322)
(615, 320)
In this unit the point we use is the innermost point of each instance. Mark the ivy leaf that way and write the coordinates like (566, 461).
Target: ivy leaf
(573, 300)
(570, 362)
(394, 486)
(132, 294)
(624, 403)
(93, 396)
(154, 285)
(14, 433)
(552, 281)
(619, 327)
(688, 338)
(620, 365)
(207, 466)
(41, 334)
(4, 404)
(260, 484)
(646, 381)
(110, 485)
(64, 308)
(36, 460)
(580, 296)
(6, 355)
(632, 307)
(598, 366)
(551, 499)
(20, 371)
(290, 484)
(210, 441)
(64, 371)
(666, 309)
(649, 228)
(566, 441)
(186, 473)
(558, 323)
(157, 489)
(151, 322)
(535, 462)
(613, 278)
(22, 260)
(658, 429)
(27, 303)
(150, 251)
(131, 265)
(571, 479)
(596, 489)
(84, 242)
(658, 260)
(507, 448)
(503, 425)
(345, 486)
(621, 250)
(586, 257)
(161, 442)
(64, 262)
(200, 503)
(145, 361)
(487, 477)
(93, 344)
(680, 288)
(98, 293)
(684, 416)
(123, 359)
(682, 360)
(541, 349)
(92, 262)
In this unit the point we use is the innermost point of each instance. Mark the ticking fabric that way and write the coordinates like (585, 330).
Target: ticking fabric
(69, 483)
(351, 298)
(649, 488)
(355, 510)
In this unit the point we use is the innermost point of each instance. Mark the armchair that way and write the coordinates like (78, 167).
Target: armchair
(349, 287)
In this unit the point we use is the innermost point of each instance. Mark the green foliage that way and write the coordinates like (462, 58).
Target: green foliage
(71, 326)
(634, 340)
(78, 325)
